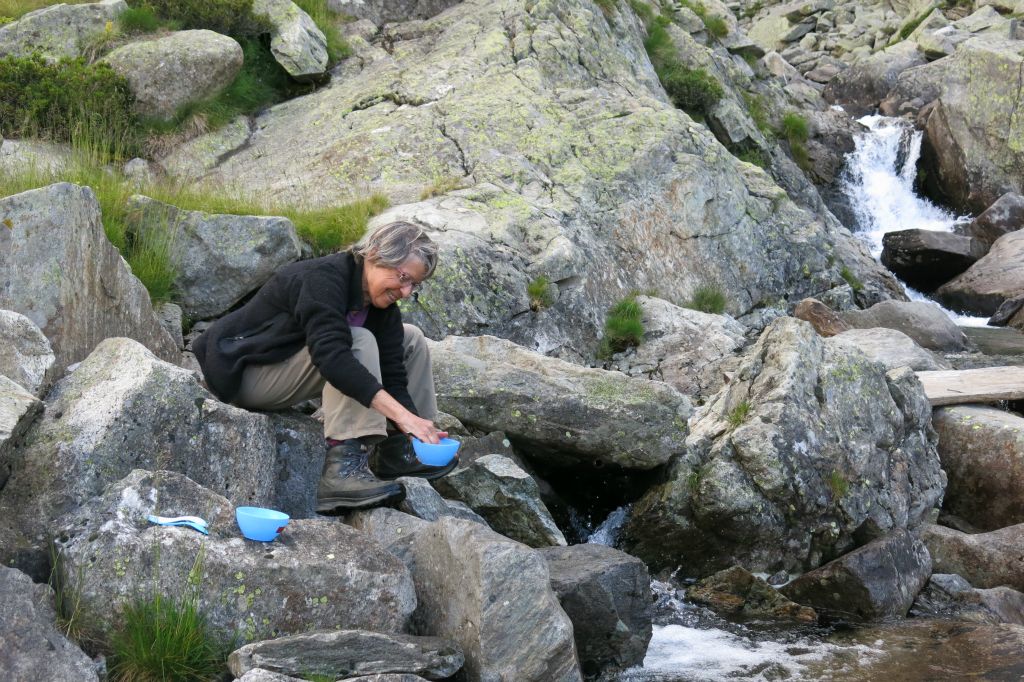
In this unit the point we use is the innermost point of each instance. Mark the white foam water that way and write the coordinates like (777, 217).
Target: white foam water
(608, 532)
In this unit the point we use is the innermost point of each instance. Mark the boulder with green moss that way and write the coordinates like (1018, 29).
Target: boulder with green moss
(169, 72)
(809, 449)
(60, 30)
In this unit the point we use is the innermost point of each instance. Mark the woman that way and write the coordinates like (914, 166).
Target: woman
(330, 327)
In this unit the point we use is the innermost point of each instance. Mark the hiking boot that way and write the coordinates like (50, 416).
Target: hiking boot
(394, 457)
(347, 481)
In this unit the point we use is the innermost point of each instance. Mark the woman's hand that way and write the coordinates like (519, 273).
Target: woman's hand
(408, 422)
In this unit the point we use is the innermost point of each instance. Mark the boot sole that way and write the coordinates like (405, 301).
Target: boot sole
(333, 503)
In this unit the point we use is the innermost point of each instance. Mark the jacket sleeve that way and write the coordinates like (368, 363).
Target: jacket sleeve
(392, 358)
(318, 301)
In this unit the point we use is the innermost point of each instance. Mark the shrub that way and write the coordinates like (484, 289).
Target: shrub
(707, 299)
(739, 414)
(623, 327)
(851, 279)
(794, 127)
(539, 291)
(230, 17)
(67, 98)
(139, 20)
(692, 90)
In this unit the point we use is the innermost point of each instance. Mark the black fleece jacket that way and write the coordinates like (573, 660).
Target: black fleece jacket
(305, 304)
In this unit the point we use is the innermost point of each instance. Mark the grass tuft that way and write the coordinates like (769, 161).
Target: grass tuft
(795, 127)
(707, 298)
(539, 291)
(838, 484)
(739, 414)
(140, 20)
(441, 185)
(623, 327)
(851, 279)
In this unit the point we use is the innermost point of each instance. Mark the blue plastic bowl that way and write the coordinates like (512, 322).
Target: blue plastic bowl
(435, 455)
(260, 524)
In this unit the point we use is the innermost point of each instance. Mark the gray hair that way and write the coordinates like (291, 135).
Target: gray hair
(392, 244)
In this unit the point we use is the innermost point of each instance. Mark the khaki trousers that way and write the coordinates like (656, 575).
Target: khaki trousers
(276, 387)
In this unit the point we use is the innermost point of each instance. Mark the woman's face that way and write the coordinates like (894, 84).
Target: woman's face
(384, 285)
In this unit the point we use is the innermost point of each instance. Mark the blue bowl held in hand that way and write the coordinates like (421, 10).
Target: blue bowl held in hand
(435, 455)
(257, 523)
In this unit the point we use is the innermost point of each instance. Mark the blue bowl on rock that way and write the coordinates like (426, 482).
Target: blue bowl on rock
(260, 524)
(435, 455)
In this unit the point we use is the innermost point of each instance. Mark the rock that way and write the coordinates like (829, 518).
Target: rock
(422, 501)
(390, 11)
(940, 43)
(972, 154)
(33, 647)
(37, 156)
(891, 348)
(861, 440)
(924, 322)
(58, 269)
(950, 596)
(300, 460)
(318, 574)
(138, 172)
(492, 596)
(18, 409)
(996, 341)
(573, 415)
(123, 409)
(993, 279)
(607, 596)
(736, 592)
(221, 258)
(197, 156)
(984, 559)
(260, 675)
(348, 653)
(824, 320)
(684, 348)
(1004, 216)
(25, 355)
(861, 87)
(982, 453)
(392, 529)
(59, 30)
(926, 259)
(169, 72)
(296, 42)
(874, 582)
(507, 497)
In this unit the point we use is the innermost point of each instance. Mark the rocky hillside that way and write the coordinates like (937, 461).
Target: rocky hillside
(650, 298)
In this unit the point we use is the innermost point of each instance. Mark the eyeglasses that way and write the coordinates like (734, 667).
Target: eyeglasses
(404, 280)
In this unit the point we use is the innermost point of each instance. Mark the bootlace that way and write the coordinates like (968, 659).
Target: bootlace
(357, 466)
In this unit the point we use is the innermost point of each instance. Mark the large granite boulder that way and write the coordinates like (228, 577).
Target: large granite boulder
(927, 259)
(1006, 215)
(607, 595)
(574, 166)
(950, 596)
(573, 415)
(58, 269)
(318, 574)
(877, 581)
(296, 42)
(860, 439)
(60, 30)
(122, 409)
(18, 409)
(169, 72)
(507, 497)
(300, 460)
(33, 647)
(974, 154)
(984, 559)
(993, 279)
(25, 355)
(982, 453)
(890, 347)
(492, 596)
(221, 258)
(349, 653)
(922, 321)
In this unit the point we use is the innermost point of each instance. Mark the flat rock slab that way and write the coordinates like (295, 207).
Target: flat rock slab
(996, 341)
(984, 385)
(926, 259)
(348, 653)
(983, 559)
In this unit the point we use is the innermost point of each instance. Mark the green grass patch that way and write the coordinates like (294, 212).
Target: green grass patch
(851, 279)
(838, 484)
(795, 127)
(623, 327)
(739, 414)
(230, 17)
(707, 299)
(540, 294)
(692, 90)
(324, 18)
(140, 20)
(643, 11)
(716, 26)
(693, 482)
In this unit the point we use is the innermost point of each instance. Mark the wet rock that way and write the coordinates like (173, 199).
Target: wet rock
(318, 574)
(123, 409)
(422, 501)
(18, 409)
(926, 259)
(59, 270)
(607, 595)
(390, 11)
(1004, 216)
(924, 322)
(221, 258)
(348, 653)
(25, 355)
(873, 582)
(59, 30)
(983, 559)
(492, 596)
(993, 279)
(296, 42)
(33, 647)
(169, 72)
(860, 438)
(737, 592)
(891, 348)
(824, 320)
(507, 497)
(982, 452)
(574, 415)
(950, 596)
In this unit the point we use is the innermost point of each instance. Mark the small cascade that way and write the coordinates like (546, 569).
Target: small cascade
(608, 532)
